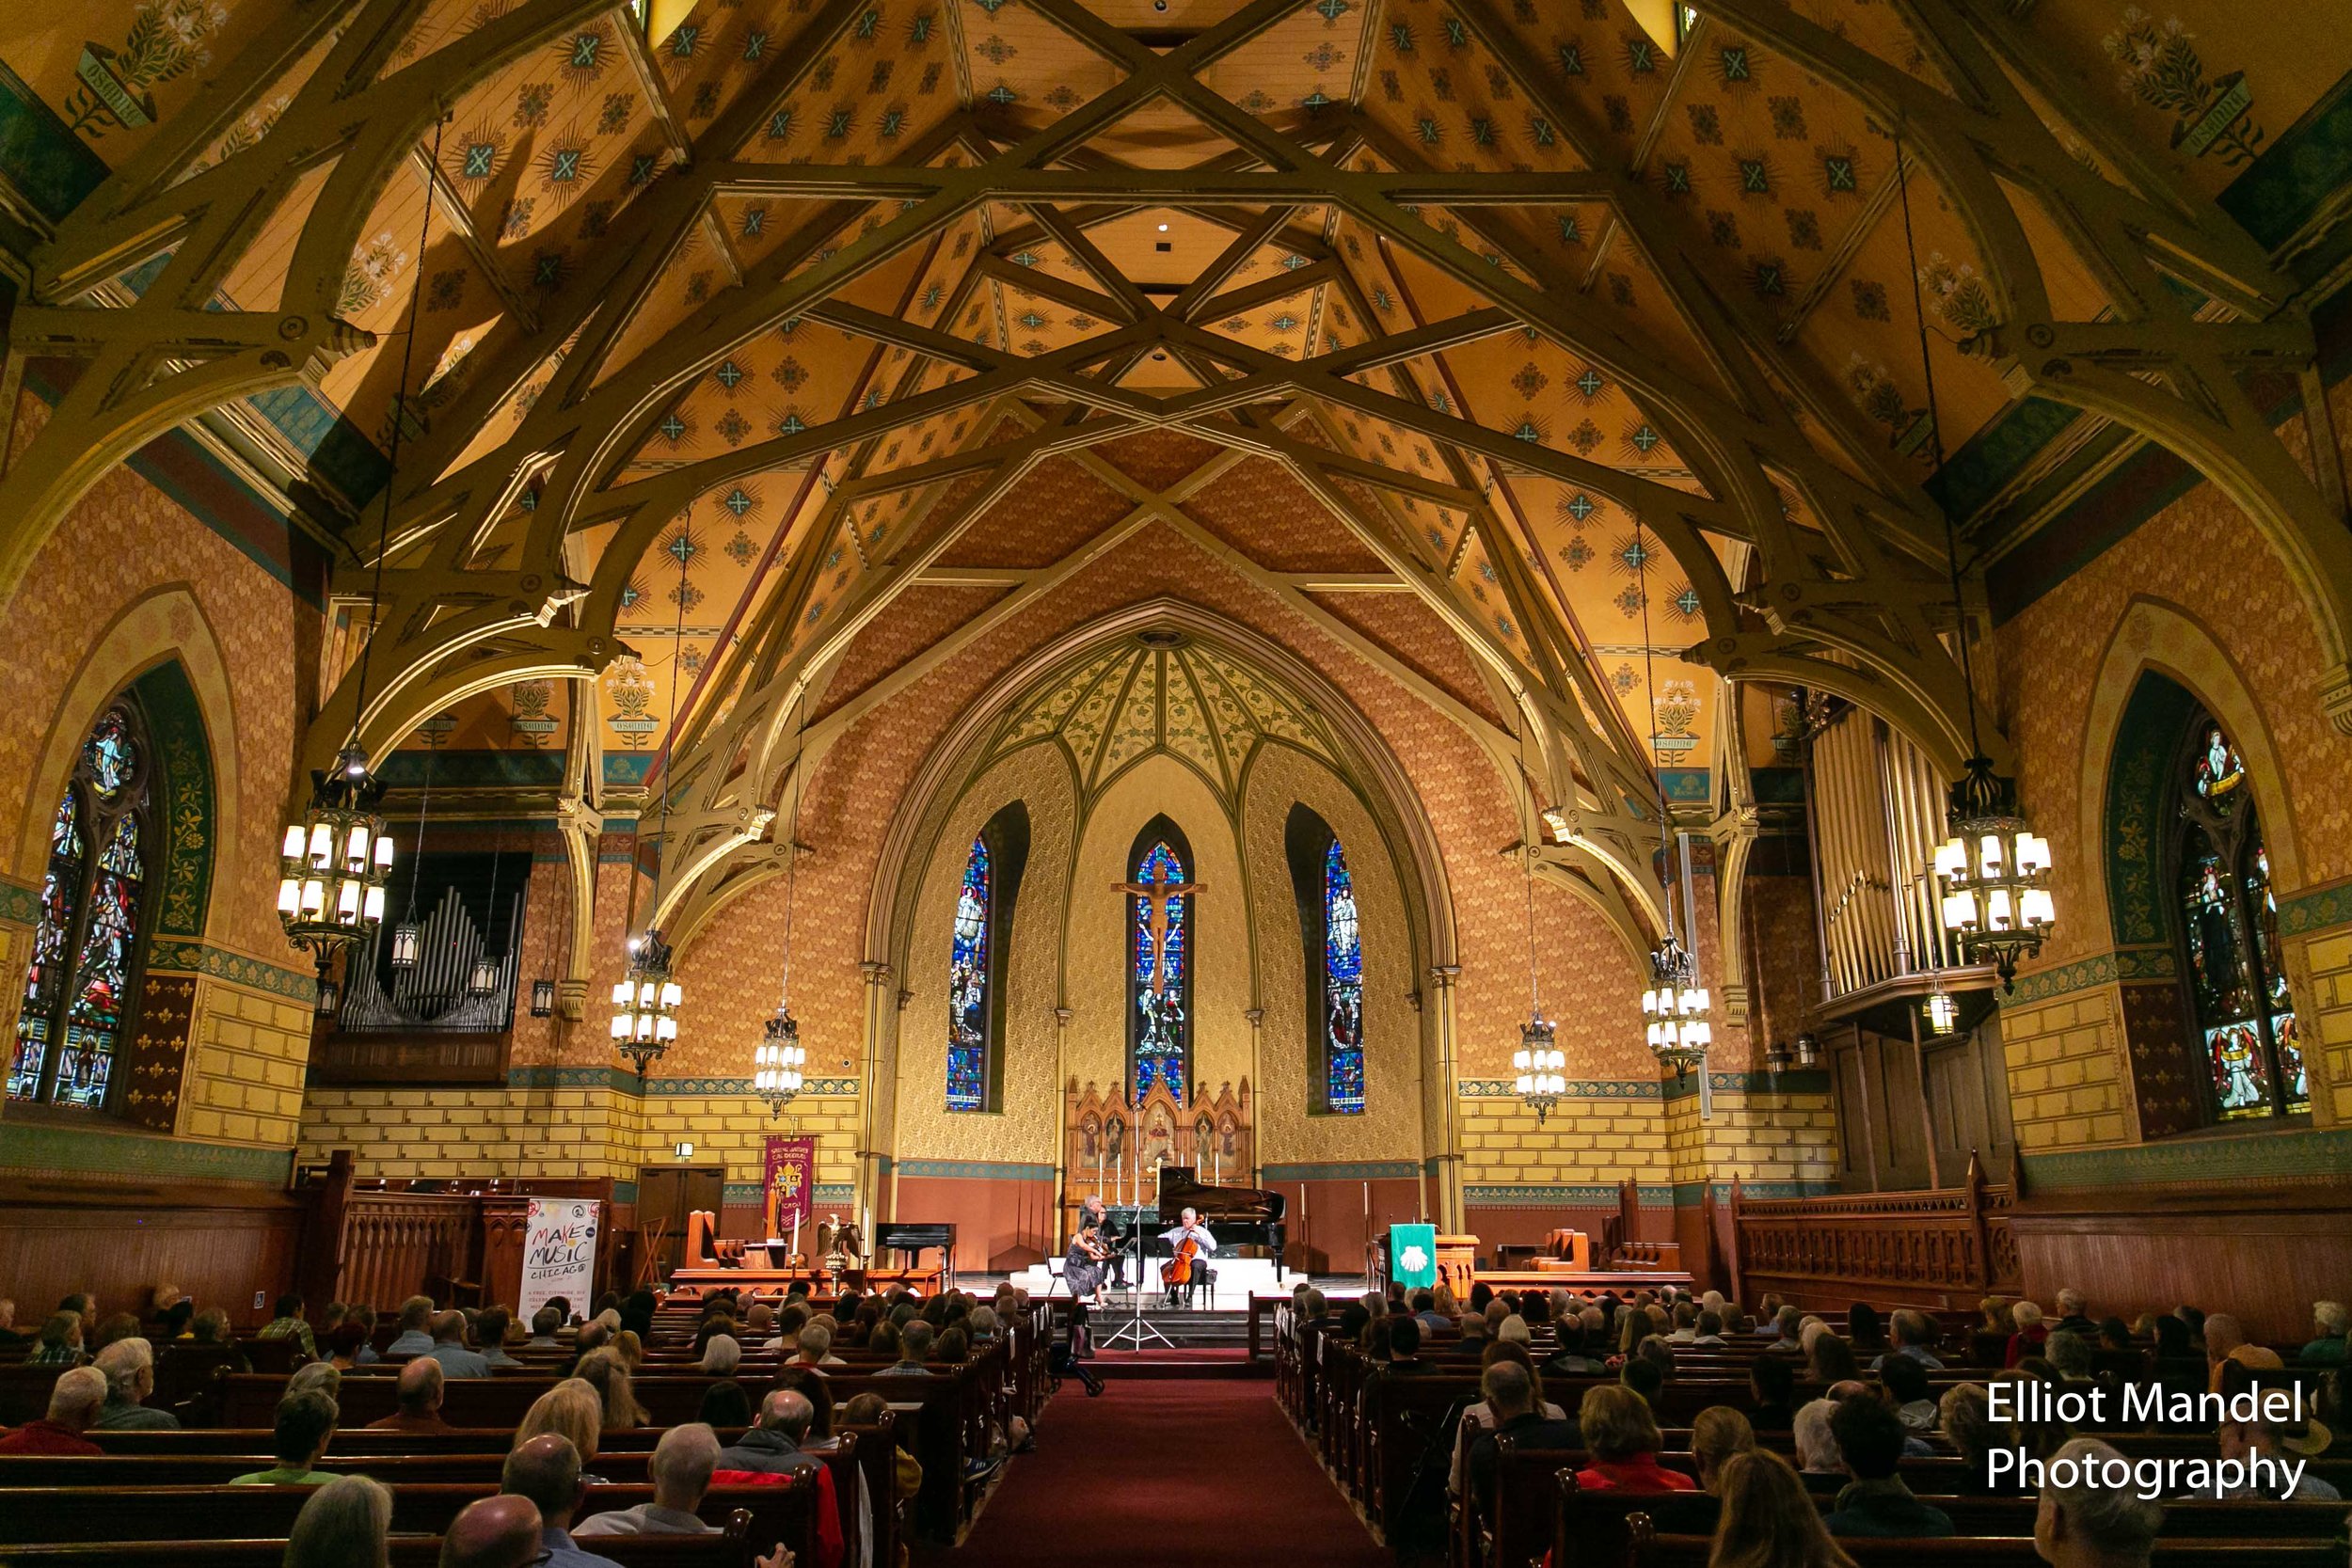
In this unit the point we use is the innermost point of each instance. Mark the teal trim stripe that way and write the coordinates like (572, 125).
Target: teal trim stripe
(2124, 965)
(1690, 1194)
(835, 1192)
(1579, 1089)
(1361, 1170)
(975, 1170)
(103, 1151)
(1577, 1196)
(621, 1080)
(177, 956)
(743, 1193)
(1794, 1081)
(2315, 911)
(2313, 1155)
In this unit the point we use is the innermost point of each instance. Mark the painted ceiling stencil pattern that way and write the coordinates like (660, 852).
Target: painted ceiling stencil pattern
(1199, 702)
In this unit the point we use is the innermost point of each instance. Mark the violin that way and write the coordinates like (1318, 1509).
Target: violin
(1090, 1242)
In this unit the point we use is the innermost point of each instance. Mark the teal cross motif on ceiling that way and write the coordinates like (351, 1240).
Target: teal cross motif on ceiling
(1581, 506)
(728, 374)
(738, 501)
(672, 428)
(1589, 382)
(481, 158)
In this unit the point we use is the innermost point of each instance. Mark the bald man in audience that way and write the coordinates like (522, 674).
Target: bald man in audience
(419, 1394)
(74, 1403)
(682, 1468)
(494, 1532)
(770, 1452)
(546, 1470)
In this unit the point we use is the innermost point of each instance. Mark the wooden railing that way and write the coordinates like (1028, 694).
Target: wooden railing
(1945, 1248)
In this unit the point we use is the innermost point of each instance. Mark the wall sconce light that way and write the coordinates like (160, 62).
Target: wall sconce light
(685, 1150)
(541, 998)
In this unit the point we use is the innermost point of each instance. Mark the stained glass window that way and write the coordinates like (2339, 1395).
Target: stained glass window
(2237, 990)
(80, 980)
(1160, 1031)
(1342, 989)
(967, 988)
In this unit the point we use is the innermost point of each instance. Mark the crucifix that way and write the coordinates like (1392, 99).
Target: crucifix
(1156, 894)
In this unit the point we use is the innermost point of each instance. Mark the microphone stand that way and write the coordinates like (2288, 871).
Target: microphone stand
(1136, 1328)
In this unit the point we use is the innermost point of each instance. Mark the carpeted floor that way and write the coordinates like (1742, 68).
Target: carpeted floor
(1171, 1474)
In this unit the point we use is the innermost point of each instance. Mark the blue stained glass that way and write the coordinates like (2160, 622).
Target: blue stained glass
(1342, 989)
(110, 756)
(1163, 1036)
(45, 973)
(967, 988)
(93, 1025)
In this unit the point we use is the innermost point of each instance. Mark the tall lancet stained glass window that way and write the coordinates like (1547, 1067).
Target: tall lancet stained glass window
(1159, 1026)
(2243, 1014)
(83, 972)
(968, 986)
(1342, 989)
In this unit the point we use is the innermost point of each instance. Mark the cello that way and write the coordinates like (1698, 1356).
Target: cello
(1177, 1271)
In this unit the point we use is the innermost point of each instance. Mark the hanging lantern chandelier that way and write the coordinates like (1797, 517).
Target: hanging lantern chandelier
(484, 980)
(1941, 1012)
(1541, 1065)
(1996, 903)
(1675, 1008)
(645, 1000)
(779, 1060)
(335, 860)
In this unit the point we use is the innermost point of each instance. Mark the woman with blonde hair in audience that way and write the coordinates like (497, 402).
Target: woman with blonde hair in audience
(1769, 1520)
(344, 1525)
(571, 1410)
(325, 1376)
(630, 1349)
(1623, 1438)
(722, 1356)
(1719, 1433)
(608, 1374)
(1513, 1330)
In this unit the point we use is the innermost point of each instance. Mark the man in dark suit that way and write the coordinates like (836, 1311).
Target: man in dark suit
(1510, 1390)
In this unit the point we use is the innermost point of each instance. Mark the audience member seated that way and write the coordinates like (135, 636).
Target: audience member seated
(1816, 1448)
(419, 1392)
(1870, 1441)
(682, 1468)
(1774, 1384)
(1830, 1360)
(770, 1452)
(74, 1403)
(346, 1343)
(1906, 1384)
(1404, 1346)
(2031, 1333)
(324, 1376)
(415, 1337)
(490, 1338)
(1788, 1338)
(289, 1325)
(1623, 1438)
(494, 1532)
(814, 1345)
(1569, 1359)
(1768, 1518)
(1911, 1333)
(1512, 1395)
(450, 1349)
(1642, 1378)
(1862, 1328)
(546, 1472)
(608, 1374)
(914, 1346)
(2090, 1525)
(2073, 1319)
(344, 1525)
(722, 1356)
(571, 1410)
(129, 1369)
(1717, 1433)
(60, 1342)
(2274, 1440)
(544, 1322)
(305, 1424)
(2327, 1348)
(119, 1325)
(725, 1404)
(10, 1335)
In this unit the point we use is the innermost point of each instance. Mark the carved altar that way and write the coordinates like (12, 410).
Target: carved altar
(1116, 1149)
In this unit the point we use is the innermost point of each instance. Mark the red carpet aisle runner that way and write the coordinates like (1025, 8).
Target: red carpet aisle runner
(1166, 1475)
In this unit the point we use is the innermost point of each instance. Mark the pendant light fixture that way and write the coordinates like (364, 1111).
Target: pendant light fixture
(1994, 868)
(408, 936)
(484, 980)
(779, 1060)
(336, 856)
(1675, 1007)
(1540, 1063)
(645, 1000)
(1941, 1012)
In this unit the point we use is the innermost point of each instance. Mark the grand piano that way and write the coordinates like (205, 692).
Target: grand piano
(1244, 1218)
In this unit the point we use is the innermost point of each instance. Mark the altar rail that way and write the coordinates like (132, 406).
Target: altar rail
(1945, 1248)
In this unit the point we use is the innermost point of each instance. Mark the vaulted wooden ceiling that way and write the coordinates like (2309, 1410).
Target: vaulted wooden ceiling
(1596, 326)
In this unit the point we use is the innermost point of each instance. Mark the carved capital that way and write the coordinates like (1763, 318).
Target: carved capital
(1255, 1015)
(1443, 975)
(571, 1000)
(2335, 698)
(875, 972)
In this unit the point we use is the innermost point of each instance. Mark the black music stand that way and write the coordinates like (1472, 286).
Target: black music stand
(1136, 1328)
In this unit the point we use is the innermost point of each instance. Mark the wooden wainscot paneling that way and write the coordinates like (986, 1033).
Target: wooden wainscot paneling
(1943, 1249)
(2263, 1251)
(220, 1242)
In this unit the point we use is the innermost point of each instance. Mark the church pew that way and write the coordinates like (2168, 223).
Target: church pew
(779, 1513)
(734, 1546)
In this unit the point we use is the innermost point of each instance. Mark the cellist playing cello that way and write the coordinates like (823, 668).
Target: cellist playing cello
(1180, 1270)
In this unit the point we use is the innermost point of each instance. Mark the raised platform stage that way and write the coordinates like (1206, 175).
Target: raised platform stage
(707, 1277)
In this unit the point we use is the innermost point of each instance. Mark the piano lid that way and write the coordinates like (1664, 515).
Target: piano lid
(1181, 1188)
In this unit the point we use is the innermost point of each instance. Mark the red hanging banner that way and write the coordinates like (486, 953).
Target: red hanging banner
(789, 1183)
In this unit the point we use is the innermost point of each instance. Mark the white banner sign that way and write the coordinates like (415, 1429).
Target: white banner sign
(559, 1254)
